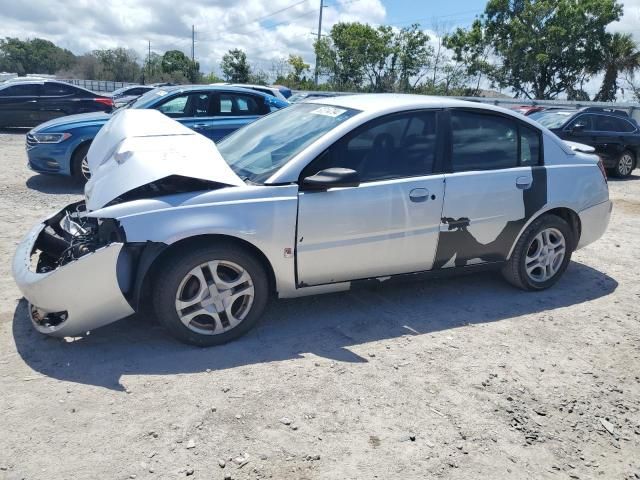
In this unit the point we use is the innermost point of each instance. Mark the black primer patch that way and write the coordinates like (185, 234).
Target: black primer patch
(459, 242)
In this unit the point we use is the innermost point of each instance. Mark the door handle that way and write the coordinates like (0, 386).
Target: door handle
(200, 125)
(523, 183)
(419, 195)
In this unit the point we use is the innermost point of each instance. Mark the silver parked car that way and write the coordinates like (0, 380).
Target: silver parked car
(318, 197)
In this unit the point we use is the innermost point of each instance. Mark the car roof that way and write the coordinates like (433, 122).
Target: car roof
(382, 102)
(221, 88)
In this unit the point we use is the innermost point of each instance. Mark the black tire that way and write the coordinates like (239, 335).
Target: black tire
(174, 271)
(623, 168)
(76, 162)
(515, 271)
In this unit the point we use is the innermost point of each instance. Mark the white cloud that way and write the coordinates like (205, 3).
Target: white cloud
(220, 25)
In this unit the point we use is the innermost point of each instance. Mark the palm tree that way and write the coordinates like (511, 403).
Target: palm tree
(621, 56)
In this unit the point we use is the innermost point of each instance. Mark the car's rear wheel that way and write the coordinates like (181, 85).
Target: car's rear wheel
(625, 165)
(541, 255)
(80, 164)
(210, 295)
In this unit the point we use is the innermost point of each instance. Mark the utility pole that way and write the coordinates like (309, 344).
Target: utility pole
(319, 36)
(193, 43)
(149, 61)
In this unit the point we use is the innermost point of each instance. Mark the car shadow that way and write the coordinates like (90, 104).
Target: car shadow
(54, 184)
(325, 326)
(14, 130)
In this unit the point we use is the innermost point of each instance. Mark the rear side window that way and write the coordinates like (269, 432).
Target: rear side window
(25, 90)
(232, 104)
(58, 90)
(605, 123)
(530, 147)
(483, 142)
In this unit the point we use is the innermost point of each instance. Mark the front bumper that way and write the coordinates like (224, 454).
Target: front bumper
(594, 222)
(53, 158)
(74, 298)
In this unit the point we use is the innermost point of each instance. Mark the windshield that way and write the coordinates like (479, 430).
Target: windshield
(551, 119)
(256, 151)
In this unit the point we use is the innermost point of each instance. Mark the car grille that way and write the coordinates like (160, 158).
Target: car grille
(31, 141)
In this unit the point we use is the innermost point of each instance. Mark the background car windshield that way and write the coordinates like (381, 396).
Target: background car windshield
(149, 98)
(551, 119)
(259, 149)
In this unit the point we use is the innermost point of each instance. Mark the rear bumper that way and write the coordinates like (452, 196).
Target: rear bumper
(74, 298)
(594, 221)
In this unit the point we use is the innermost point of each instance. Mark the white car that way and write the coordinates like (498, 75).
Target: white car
(318, 197)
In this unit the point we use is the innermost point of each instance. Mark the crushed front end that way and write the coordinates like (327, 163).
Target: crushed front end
(73, 271)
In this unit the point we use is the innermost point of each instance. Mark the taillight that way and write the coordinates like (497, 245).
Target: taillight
(105, 101)
(601, 167)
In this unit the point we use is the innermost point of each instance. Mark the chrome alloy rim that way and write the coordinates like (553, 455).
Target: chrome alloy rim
(545, 254)
(84, 168)
(214, 297)
(625, 165)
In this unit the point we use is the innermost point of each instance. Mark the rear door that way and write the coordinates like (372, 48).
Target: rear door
(58, 100)
(19, 105)
(388, 224)
(613, 135)
(495, 184)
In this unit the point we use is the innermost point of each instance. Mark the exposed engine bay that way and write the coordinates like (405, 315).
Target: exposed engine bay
(70, 235)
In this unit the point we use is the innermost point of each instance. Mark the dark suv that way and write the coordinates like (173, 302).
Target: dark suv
(614, 135)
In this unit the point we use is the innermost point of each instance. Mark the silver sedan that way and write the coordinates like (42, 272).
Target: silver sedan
(318, 197)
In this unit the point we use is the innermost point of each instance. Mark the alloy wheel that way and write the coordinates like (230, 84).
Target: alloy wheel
(625, 165)
(84, 168)
(545, 255)
(214, 297)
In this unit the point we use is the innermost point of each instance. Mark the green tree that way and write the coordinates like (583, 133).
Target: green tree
(118, 64)
(298, 69)
(176, 62)
(361, 57)
(539, 48)
(621, 57)
(33, 56)
(235, 66)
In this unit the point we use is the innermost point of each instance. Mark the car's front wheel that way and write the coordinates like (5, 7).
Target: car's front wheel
(210, 295)
(541, 255)
(625, 165)
(80, 164)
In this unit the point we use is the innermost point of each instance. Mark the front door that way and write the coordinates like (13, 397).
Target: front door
(493, 189)
(387, 225)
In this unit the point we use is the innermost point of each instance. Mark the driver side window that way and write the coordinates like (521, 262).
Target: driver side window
(396, 146)
(583, 122)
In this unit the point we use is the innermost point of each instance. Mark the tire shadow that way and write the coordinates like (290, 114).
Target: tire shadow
(325, 325)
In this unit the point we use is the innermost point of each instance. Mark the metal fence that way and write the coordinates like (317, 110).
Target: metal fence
(96, 85)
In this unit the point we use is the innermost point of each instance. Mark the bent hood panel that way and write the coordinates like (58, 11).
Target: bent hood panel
(138, 147)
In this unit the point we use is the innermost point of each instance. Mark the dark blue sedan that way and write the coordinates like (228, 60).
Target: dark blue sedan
(60, 146)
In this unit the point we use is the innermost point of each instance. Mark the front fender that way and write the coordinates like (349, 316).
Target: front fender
(268, 223)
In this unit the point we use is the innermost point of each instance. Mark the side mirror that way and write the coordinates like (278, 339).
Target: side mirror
(578, 127)
(332, 178)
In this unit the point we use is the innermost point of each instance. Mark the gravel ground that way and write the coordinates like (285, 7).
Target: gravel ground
(461, 378)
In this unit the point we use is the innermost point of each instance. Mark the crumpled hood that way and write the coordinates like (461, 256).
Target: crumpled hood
(71, 121)
(138, 147)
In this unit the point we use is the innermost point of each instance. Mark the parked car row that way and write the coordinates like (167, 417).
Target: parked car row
(60, 146)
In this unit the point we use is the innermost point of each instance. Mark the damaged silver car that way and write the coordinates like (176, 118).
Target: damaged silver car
(318, 197)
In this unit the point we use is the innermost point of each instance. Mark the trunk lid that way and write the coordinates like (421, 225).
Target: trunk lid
(139, 147)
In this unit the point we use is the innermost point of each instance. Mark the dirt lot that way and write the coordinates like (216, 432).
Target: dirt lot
(463, 378)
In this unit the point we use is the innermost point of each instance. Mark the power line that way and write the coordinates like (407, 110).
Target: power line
(277, 11)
